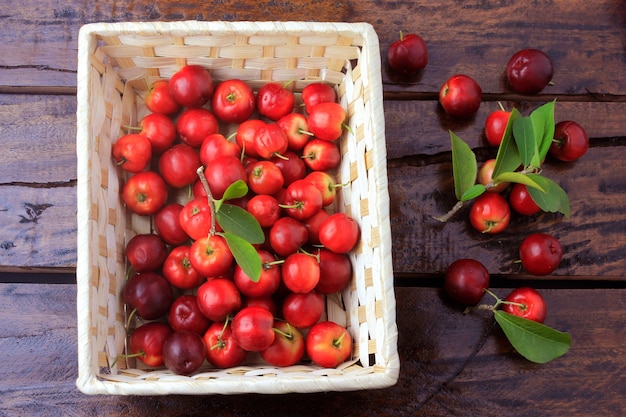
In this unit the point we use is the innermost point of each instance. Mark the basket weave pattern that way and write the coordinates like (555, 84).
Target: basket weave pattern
(117, 63)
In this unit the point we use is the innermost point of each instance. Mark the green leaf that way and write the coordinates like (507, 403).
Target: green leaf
(245, 255)
(464, 166)
(237, 189)
(518, 177)
(543, 124)
(508, 158)
(473, 192)
(524, 135)
(534, 341)
(234, 219)
(552, 199)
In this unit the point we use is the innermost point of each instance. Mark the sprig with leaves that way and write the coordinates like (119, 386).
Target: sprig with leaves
(239, 228)
(534, 341)
(525, 144)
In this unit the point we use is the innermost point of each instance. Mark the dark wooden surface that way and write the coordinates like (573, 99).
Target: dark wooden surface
(451, 364)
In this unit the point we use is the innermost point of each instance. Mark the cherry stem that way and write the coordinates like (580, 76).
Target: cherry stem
(205, 185)
(132, 355)
(449, 214)
(268, 265)
(501, 106)
(220, 341)
(315, 255)
(133, 128)
(337, 342)
(280, 332)
(130, 317)
(348, 128)
(288, 83)
(129, 271)
(231, 136)
(489, 227)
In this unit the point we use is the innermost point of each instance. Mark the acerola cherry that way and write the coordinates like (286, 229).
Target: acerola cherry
(302, 200)
(300, 272)
(270, 140)
(132, 152)
(495, 125)
(460, 96)
(178, 165)
(146, 252)
(540, 253)
(191, 86)
(145, 193)
(253, 328)
(570, 141)
(529, 71)
(274, 101)
(268, 282)
(148, 293)
(526, 302)
(328, 344)
(222, 350)
(408, 55)
(265, 209)
(287, 235)
(194, 125)
(316, 93)
(177, 269)
(159, 100)
(218, 297)
(185, 314)
(160, 130)
(326, 120)
(167, 224)
(485, 177)
(465, 281)
(339, 233)
(321, 155)
(211, 256)
(184, 352)
(216, 145)
(288, 346)
(490, 213)
(303, 310)
(521, 201)
(146, 342)
(222, 172)
(335, 271)
(291, 165)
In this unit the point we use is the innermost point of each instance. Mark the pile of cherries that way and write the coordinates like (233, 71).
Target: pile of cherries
(194, 301)
(528, 72)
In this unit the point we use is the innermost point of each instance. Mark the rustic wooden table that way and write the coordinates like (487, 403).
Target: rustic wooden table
(451, 364)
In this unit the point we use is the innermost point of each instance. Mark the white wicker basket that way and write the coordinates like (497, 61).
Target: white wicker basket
(116, 63)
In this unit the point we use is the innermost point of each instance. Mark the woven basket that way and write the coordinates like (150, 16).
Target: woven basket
(116, 64)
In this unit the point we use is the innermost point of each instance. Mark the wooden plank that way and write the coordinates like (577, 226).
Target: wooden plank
(593, 237)
(451, 364)
(585, 39)
(420, 127)
(38, 139)
(38, 228)
(41, 170)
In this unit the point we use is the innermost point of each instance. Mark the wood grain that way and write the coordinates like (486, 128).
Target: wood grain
(584, 39)
(40, 164)
(451, 364)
